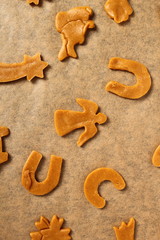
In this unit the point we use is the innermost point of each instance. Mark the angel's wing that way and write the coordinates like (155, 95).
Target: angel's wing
(87, 105)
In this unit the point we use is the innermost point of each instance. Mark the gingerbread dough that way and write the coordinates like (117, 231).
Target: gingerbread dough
(125, 231)
(51, 230)
(142, 76)
(31, 67)
(67, 120)
(4, 131)
(73, 25)
(119, 10)
(52, 179)
(33, 1)
(156, 157)
(95, 178)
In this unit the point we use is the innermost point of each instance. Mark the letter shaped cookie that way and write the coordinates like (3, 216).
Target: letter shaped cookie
(4, 131)
(52, 179)
(67, 120)
(95, 178)
(31, 67)
(125, 231)
(141, 73)
(73, 25)
(119, 10)
(51, 230)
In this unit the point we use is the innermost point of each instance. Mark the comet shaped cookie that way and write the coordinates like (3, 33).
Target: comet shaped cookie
(119, 10)
(73, 25)
(95, 178)
(68, 120)
(125, 231)
(52, 179)
(4, 131)
(141, 73)
(31, 67)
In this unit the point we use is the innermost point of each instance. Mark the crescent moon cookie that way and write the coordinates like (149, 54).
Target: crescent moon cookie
(73, 26)
(119, 10)
(95, 178)
(141, 73)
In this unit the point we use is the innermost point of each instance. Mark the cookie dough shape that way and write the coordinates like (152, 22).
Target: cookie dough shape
(4, 131)
(125, 231)
(68, 120)
(31, 67)
(51, 230)
(119, 10)
(141, 73)
(33, 1)
(156, 157)
(73, 25)
(52, 179)
(95, 178)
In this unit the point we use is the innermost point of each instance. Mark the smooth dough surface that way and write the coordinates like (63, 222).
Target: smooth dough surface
(95, 178)
(141, 73)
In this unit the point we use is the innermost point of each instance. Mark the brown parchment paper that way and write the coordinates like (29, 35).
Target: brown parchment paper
(126, 142)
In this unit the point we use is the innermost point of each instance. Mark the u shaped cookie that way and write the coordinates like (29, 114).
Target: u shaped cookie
(52, 179)
(141, 73)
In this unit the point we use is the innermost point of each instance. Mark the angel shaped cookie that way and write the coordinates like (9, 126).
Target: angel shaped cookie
(68, 120)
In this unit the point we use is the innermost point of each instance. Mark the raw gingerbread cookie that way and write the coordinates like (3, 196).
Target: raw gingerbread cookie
(52, 179)
(125, 231)
(142, 76)
(33, 1)
(51, 230)
(119, 10)
(156, 157)
(31, 67)
(73, 25)
(95, 178)
(68, 120)
(4, 131)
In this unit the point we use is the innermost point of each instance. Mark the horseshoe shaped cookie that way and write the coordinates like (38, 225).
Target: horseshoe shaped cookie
(52, 179)
(142, 76)
(95, 178)
(125, 231)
